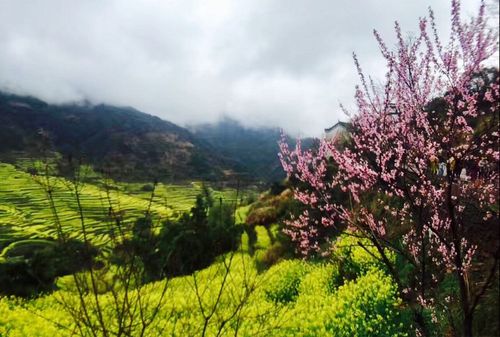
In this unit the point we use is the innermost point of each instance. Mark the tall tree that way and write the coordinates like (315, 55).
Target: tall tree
(420, 176)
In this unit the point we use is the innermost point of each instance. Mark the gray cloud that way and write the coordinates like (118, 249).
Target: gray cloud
(263, 62)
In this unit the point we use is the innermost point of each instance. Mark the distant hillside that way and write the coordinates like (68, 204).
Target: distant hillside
(254, 150)
(139, 146)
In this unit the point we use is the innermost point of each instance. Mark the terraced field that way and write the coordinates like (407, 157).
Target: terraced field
(25, 212)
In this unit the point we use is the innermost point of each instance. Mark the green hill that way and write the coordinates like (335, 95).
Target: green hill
(136, 146)
(254, 151)
(25, 211)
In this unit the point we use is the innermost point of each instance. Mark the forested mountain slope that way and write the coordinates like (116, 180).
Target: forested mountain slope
(138, 146)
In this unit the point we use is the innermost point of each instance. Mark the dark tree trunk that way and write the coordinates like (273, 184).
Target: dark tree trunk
(467, 325)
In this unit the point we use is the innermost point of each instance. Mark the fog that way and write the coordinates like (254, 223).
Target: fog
(263, 63)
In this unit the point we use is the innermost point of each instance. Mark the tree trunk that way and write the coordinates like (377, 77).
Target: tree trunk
(421, 325)
(467, 325)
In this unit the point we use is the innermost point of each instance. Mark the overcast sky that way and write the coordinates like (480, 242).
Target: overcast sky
(264, 62)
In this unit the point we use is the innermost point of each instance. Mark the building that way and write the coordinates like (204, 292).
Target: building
(337, 131)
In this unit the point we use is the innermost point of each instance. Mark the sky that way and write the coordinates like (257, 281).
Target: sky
(284, 63)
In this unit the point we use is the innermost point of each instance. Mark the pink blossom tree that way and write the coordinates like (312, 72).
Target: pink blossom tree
(419, 176)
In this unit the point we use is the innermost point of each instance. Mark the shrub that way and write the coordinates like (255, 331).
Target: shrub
(262, 216)
(270, 256)
(29, 267)
(284, 281)
(356, 256)
(368, 307)
(148, 188)
(324, 279)
(364, 307)
(223, 233)
(196, 238)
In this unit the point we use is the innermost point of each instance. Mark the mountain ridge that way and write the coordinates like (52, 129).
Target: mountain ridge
(136, 145)
(141, 145)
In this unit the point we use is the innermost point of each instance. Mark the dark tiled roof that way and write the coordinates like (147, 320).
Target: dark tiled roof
(339, 123)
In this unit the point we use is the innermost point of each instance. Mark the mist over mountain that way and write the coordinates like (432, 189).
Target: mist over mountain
(135, 145)
(253, 150)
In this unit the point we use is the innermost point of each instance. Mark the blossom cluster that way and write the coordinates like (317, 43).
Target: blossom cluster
(423, 154)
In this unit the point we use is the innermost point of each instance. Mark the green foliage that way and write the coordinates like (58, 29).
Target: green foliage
(367, 306)
(292, 298)
(24, 207)
(271, 208)
(18, 318)
(324, 279)
(269, 212)
(26, 248)
(356, 255)
(283, 285)
(25, 211)
(487, 320)
(129, 144)
(30, 267)
(148, 188)
(193, 240)
(364, 307)
(269, 257)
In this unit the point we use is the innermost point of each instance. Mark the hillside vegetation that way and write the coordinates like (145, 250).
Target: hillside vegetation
(293, 298)
(134, 145)
(25, 211)
(234, 295)
(252, 150)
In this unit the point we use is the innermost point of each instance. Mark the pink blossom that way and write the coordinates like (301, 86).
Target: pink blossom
(396, 146)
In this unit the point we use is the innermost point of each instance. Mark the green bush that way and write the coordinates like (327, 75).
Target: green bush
(147, 188)
(323, 279)
(194, 240)
(284, 280)
(368, 307)
(356, 256)
(270, 256)
(365, 307)
(29, 267)
(315, 306)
